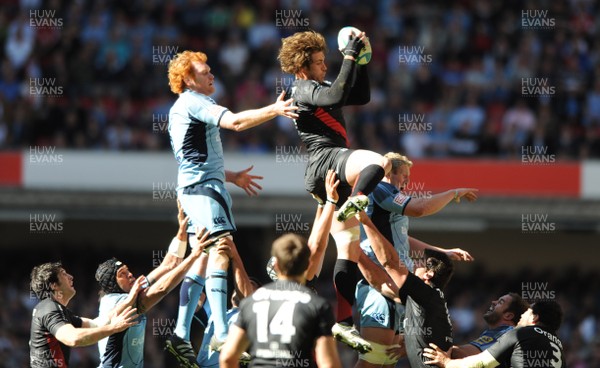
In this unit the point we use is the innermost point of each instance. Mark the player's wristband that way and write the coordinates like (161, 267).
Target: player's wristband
(331, 200)
(177, 247)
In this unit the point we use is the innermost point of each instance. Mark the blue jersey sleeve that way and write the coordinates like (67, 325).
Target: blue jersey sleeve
(489, 337)
(203, 109)
(389, 199)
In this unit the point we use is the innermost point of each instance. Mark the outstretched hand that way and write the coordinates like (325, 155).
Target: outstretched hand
(125, 319)
(457, 254)
(331, 184)
(468, 193)
(284, 107)
(246, 181)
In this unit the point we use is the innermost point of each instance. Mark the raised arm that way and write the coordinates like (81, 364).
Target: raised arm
(442, 359)
(360, 93)
(455, 254)
(378, 278)
(326, 354)
(250, 118)
(176, 250)
(419, 207)
(319, 235)
(86, 335)
(384, 251)
(155, 292)
(242, 280)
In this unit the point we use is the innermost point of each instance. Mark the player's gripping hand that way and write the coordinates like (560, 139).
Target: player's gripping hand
(354, 45)
(125, 319)
(285, 107)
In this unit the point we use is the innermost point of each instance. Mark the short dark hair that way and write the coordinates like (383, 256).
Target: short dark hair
(441, 265)
(517, 306)
(292, 254)
(42, 278)
(549, 314)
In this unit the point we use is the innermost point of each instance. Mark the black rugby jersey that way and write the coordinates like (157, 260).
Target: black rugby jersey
(45, 349)
(427, 319)
(529, 346)
(282, 321)
(321, 122)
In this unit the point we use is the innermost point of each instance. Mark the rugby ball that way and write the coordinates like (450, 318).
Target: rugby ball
(344, 36)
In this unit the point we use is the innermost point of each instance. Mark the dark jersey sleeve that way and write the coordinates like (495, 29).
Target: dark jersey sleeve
(503, 348)
(422, 293)
(360, 93)
(317, 94)
(56, 318)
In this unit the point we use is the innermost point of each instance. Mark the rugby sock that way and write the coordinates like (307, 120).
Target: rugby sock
(368, 179)
(216, 294)
(189, 295)
(344, 281)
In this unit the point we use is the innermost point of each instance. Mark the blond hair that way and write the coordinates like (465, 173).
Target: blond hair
(180, 67)
(296, 50)
(397, 160)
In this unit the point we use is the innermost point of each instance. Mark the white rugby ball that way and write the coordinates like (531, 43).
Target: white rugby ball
(344, 36)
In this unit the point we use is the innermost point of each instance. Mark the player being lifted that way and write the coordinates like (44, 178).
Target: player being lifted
(194, 123)
(322, 128)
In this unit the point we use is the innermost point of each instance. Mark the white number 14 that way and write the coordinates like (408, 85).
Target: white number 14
(281, 324)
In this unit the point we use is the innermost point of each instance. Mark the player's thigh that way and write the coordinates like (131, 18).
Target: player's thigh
(347, 238)
(208, 206)
(358, 160)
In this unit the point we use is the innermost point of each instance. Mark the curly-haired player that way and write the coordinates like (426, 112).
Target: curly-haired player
(322, 128)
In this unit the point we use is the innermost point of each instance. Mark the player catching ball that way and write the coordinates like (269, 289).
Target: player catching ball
(322, 128)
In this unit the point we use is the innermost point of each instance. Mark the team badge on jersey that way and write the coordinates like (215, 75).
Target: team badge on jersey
(483, 340)
(401, 199)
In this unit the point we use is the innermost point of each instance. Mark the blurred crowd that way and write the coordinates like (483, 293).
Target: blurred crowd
(448, 79)
(577, 291)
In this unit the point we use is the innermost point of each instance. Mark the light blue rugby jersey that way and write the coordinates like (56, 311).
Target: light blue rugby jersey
(195, 139)
(386, 210)
(126, 348)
